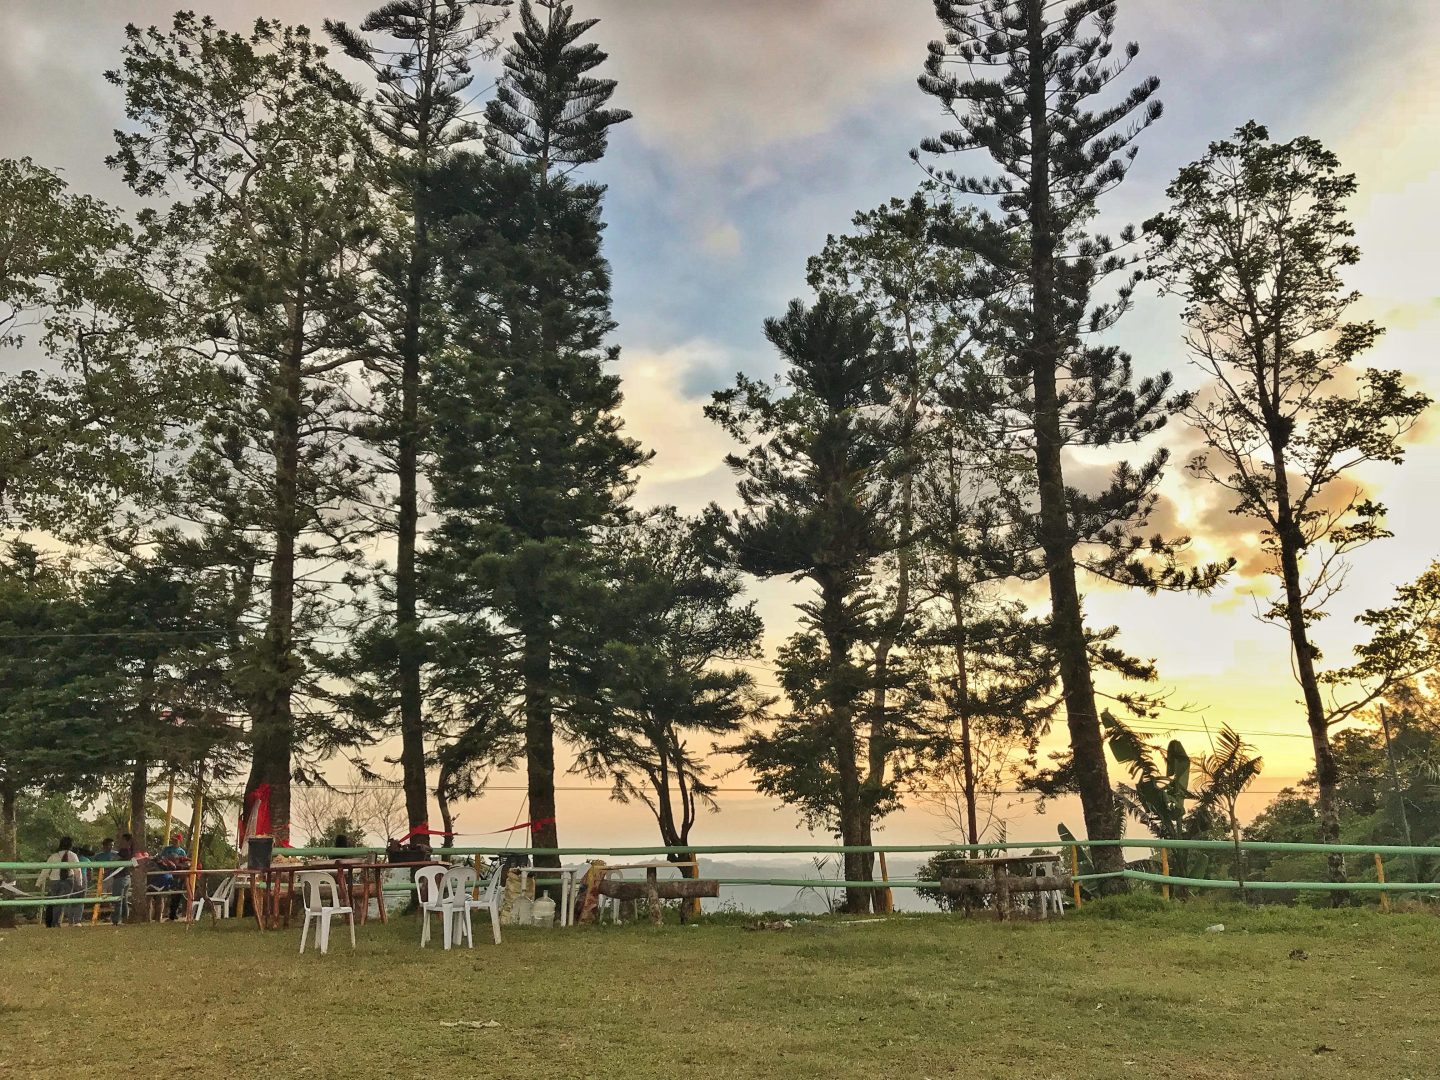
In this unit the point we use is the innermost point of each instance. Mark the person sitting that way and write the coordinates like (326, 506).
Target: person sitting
(173, 857)
(62, 881)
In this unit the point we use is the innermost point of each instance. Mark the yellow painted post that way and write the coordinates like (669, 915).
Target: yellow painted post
(196, 819)
(169, 812)
(1075, 872)
(1165, 870)
(1380, 877)
(99, 892)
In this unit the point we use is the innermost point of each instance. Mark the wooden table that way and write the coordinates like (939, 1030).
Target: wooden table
(267, 885)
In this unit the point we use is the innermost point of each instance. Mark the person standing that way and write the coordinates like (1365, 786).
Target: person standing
(119, 882)
(174, 857)
(61, 881)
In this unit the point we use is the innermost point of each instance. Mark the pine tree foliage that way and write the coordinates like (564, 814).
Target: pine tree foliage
(663, 666)
(1036, 87)
(421, 53)
(821, 504)
(548, 111)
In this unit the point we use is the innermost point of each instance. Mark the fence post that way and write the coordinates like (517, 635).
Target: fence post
(99, 892)
(1165, 869)
(1075, 872)
(1380, 877)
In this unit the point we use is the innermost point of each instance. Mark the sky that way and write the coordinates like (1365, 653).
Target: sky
(761, 127)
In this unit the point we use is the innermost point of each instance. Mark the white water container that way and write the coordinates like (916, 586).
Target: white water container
(520, 912)
(542, 912)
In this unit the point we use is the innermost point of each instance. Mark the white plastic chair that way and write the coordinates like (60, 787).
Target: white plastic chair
(321, 894)
(219, 901)
(1051, 898)
(455, 902)
(489, 900)
(428, 894)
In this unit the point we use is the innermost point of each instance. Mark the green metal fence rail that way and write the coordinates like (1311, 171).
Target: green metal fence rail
(1058, 846)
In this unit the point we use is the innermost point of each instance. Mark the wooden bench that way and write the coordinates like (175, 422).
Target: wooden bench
(1004, 887)
(654, 890)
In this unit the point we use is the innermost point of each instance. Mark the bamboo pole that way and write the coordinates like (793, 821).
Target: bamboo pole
(889, 895)
(197, 816)
(1165, 869)
(1075, 873)
(99, 891)
(1380, 877)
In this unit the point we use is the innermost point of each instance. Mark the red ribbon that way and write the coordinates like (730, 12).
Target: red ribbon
(425, 830)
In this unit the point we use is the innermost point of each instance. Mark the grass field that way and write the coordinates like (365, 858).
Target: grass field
(1123, 992)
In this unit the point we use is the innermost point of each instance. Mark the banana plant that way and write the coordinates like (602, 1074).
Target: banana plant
(1177, 802)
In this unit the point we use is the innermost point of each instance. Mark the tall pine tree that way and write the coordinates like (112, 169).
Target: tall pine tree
(820, 504)
(531, 461)
(1020, 79)
(421, 53)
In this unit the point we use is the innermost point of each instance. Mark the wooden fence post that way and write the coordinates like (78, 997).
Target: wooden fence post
(1075, 872)
(1380, 877)
(1165, 870)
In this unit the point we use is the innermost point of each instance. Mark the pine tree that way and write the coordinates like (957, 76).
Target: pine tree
(674, 620)
(1256, 241)
(820, 505)
(531, 461)
(548, 113)
(1027, 73)
(273, 221)
(421, 53)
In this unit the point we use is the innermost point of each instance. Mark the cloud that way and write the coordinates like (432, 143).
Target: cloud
(725, 78)
(722, 240)
(669, 419)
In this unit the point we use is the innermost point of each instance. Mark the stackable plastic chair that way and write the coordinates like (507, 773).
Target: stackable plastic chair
(321, 894)
(491, 890)
(455, 902)
(428, 889)
(218, 901)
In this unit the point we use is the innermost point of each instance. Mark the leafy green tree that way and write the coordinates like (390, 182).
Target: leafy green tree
(1256, 242)
(675, 617)
(1175, 801)
(421, 54)
(110, 390)
(262, 151)
(820, 505)
(57, 733)
(1021, 79)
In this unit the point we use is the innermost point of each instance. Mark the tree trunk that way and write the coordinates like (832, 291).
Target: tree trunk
(1045, 347)
(9, 824)
(540, 745)
(1292, 542)
(139, 802)
(9, 842)
(273, 728)
(140, 779)
(852, 818)
(409, 650)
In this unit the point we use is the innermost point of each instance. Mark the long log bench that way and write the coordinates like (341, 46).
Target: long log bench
(973, 891)
(654, 890)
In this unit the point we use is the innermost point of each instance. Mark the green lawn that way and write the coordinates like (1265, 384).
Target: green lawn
(1149, 994)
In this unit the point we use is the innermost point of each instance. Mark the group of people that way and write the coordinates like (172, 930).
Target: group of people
(69, 882)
